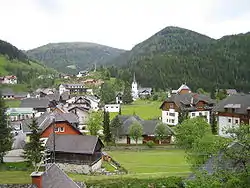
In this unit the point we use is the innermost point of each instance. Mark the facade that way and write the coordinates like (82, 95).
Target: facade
(231, 112)
(72, 88)
(94, 102)
(82, 114)
(18, 114)
(118, 98)
(184, 100)
(76, 153)
(112, 107)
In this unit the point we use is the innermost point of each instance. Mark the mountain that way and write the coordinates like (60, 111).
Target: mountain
(73, 57)
(15, 62)
(176, 55)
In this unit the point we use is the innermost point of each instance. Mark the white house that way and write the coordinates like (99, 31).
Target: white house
(94, 102)
(190, 104)
(71, 88)
(231, 112)
(8, 79)
(112, 107)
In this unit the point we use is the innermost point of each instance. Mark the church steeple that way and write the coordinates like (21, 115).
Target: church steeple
(134, 78)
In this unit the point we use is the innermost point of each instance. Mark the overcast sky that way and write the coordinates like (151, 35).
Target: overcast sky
(118, 23)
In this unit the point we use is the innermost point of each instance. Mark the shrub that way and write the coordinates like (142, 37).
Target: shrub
(150, 143)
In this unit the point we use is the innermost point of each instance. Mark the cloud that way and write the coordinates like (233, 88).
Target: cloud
(122, 24)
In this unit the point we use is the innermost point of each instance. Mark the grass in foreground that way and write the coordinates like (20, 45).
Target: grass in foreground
(145, 109)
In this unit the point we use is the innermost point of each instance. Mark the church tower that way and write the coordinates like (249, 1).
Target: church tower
(134, 88)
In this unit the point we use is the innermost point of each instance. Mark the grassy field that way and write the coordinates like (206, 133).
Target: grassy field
(140, 164)
(12, 103)
(145, 109)
(169, 161)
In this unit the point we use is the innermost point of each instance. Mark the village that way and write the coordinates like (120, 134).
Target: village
(63, 117)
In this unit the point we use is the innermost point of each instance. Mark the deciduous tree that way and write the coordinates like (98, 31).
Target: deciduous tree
(161, 131)
(135, 131)
(95, 123)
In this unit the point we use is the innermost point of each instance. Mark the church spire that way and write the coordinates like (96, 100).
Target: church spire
(134, 78)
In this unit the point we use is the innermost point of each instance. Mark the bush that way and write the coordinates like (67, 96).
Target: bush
(168, 182)
(150, 143)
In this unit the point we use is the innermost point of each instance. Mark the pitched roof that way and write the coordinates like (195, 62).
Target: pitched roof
(73, 143)
(185, 100)
(148, 89)
(183, 86)
(7, 91)
(17, 111)
(35, 103)
(240, 102)
(56, 178)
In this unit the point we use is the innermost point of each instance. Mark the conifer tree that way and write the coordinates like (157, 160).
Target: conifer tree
(33, 149)
(106, 127)
(127, 95)
(5, 131)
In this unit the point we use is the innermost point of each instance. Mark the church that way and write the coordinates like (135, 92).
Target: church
(139, 92)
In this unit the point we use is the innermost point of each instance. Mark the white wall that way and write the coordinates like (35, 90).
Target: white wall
(123, 140)
(168, 118)
(197, 114)
(112, 107)
(96, 166)
(224, 123)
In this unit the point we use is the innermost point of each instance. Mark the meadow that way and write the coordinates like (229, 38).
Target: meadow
(145, 109)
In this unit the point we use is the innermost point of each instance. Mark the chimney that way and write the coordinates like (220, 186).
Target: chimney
(37, 179)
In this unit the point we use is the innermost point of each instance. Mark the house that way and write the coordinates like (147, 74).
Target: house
(8, 79)
(118, 98)
(94, 102)
(232, 111)
(183, 89)
(148, 130)
(112, 107)
(79, 101)
(184, 101)
(76, 153)
(72, 88)
(231, 92)
(54, 177)
(139, 92)
(8, 93)
(64, 123)
(82, 73)
(18, 114)
(82, 114)
(38, 104)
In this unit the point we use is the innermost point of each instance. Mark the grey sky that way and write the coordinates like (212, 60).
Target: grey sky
(117, 23)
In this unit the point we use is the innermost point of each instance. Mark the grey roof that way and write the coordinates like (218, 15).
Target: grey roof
(55, 96)
(84, 144)
(45, 120)
(35, 103)
(54, 177)
(240, 102)
(21, 95)
(7, 91)
(148, 89)
(82, 108)
(185, 100)
(65, 96)
(148, 125)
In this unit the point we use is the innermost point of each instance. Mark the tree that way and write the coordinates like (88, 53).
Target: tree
(135, 131)
(106, 127)
(183, 114)
(116, 127)
(33, 149)
(161, 131)
(5, 131)
(95, 123)
(190, 130)
(221, 94)
(127, 95)
(107, 93)
(213, 93)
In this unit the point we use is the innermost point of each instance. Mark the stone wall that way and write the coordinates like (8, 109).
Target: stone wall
(15, 185)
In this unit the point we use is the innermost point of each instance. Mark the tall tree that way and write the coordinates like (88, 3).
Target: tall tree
(95, 123)
(106, 127)
(5, 131)
(33, 149)
(183, 115)
(127, 94)
(135, 131)
(161, 131)
(107, 93)
(116, 127)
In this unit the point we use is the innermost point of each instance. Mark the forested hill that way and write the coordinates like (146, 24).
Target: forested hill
(176, 55)
(77, 55)
(14, 62)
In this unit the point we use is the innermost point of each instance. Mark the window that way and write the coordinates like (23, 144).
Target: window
(167, 113)
(200, 113)
(167, 120)
(236, 121)
(117, 107)
(171, 114)
(61, 129)
(229, 120)
(172, 120)
(171, 106)
(56, 129)
(193, 114)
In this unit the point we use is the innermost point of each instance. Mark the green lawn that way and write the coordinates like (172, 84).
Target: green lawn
(169, 161)
(145, 109)
(12, 103)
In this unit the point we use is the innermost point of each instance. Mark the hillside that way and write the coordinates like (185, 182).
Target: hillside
(78, 54)
(14, 62)
(176, 55)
